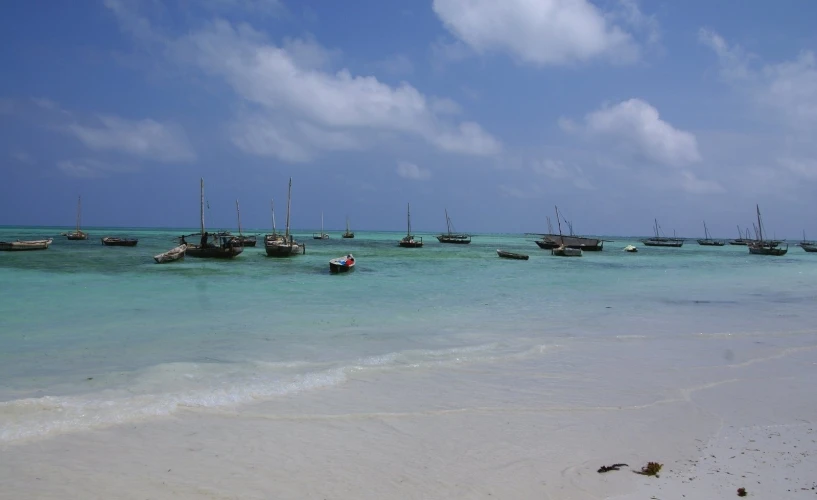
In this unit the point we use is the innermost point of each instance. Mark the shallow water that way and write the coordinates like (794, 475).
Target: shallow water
(93, 335)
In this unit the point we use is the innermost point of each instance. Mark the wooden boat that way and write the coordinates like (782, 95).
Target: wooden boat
(342, 264)
(511, 255)
(111, 241)
(348, 234)
(662, 241)
(171, 255)
(765, 247)
(740, 239)
(219, 245)
(551, 240)
(274, 236)
(806, 245)
(707, 241)
(321, 235)
(408, 240)
(243, 240)
(78, 234)
(284, 246)
(453, 237)
(631, 249)
(562, 250)
(24, 245)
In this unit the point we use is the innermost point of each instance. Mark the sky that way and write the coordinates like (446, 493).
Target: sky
(618, 111)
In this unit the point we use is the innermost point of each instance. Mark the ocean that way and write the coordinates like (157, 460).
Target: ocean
(94, 336)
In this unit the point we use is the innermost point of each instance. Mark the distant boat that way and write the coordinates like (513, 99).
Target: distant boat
(348, 234)
(241, 240)
(211, 245)
(740, 239)
(452, 237)
(511, 255)
(111, 241)
(342, 264)
(408, 241)
(286, 246)
(765, 247)
(23, 245)
(171, 255)
(631, 249)
(77, 234)
(551, 240)
(707, 241)
(274, 236)
(562, 250)
(808, 246)
(662, 241)
(321, 235)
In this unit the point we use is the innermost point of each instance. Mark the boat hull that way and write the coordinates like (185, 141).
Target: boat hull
(245, 241)
(772, 250)
(456, 240)
(411, 244)
(342, 265)
(663, 243)
(809, 248)
(739, 243)
(227, 252)
(119, 242)
(173, 255)
(348, 235)
(566, 252)
(511, 255)
(24, 245)
(77, 236)
(711, 243)
(551, 241)
(282, 250)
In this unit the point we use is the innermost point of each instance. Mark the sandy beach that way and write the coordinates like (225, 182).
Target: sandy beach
(537, 427)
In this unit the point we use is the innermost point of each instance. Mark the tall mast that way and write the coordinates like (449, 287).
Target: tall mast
(272, 209)
(347, 225)
(201, 188)
(558, 221)
(706, 233)
(740, 233)
(656, 228)
(321, 223)
(447, 221)
(79, 211)
(238, 211)
(289, 204)
(759, 224)
(408, 218)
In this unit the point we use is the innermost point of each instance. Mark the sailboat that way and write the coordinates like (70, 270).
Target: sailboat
(662, 241)
(321, 235)
(217, 245)
(451, 237)
(408, 241)
(348, 233)
(244, 241)
(562, 250)
(286, 246)
(78, 234)
(707, 241)
(765, 247)
(551, 240)
(274, 235)
(740, 239)
(808, 246)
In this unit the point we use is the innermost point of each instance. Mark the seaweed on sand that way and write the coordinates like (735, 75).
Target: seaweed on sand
(651, 469)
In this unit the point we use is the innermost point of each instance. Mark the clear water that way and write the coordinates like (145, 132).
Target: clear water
(92, 335)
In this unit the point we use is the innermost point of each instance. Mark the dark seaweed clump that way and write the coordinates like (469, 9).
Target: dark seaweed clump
(651, 469)
(741, 492)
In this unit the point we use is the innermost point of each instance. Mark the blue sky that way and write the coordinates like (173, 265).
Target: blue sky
(619, 111)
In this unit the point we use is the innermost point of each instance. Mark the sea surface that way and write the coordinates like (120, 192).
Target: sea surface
(92, 336)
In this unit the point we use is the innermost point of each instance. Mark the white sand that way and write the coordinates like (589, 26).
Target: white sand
(536, 428)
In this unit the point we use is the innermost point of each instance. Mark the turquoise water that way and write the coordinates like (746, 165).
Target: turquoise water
(93, 335)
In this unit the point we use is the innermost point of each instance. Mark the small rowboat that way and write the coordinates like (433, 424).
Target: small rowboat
(510, 255)
(563, 251)
(171, 255)
(342, 264)
(110, 241)
(15, 246)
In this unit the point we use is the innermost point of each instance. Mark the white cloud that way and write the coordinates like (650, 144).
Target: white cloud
(254, 7)
(397, 65)
(45, 103)
(272, 79)
(545, 32)
(690, 183)
(558, 170)
(89, 168)
(802, 167)
(143, 138)
(636, 128)
(411, 171)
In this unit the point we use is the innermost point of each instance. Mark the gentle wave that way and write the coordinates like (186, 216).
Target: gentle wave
(164, 389)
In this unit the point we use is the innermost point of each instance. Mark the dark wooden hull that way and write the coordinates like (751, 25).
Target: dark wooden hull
(809, 248)
(284, 250)
(411, 244)
(24, 246)
(511, 255)
(739, 242)
(337, 266)
(456, 240)
(662, 243)
(774, 250)
(711, 243)
(348, 235)
(227, 252)
(119, 242)
(551, 241)
(77, 236)
(245, 241)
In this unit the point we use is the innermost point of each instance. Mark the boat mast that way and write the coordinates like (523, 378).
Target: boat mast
(289, 204)
(238, 211)
(759, 224)
(272, 209)
(321, 224)
(79, 211)
(706, 233)
(201, 204)
(408, 218)
(347, 224)
(447, 222)
(560, 225)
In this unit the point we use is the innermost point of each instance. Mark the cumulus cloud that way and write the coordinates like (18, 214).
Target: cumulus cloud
(88, 168)
(143, 138)
(558, 170)
(546, 32)
(636, 128)
(411, 171)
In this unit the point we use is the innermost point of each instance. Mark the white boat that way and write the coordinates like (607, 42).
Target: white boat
(631, 249)
(171, 255)
(22, 245)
